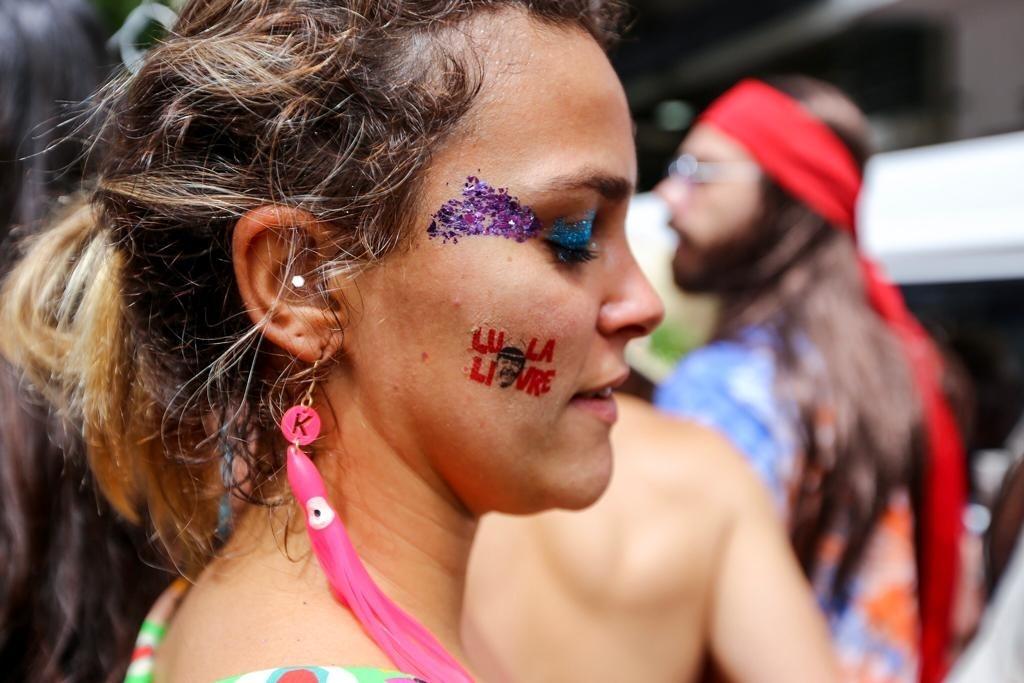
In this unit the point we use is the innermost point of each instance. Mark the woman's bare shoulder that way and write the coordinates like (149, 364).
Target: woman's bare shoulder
(229, 624)
(684, 456)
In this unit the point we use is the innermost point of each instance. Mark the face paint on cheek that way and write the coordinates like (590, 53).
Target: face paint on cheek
(508, 366)
(511, 362)
(484, 210)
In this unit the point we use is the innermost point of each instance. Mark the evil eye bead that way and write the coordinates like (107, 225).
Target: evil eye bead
(318, 513)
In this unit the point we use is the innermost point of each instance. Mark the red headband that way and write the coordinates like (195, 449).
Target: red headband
(795, 149)
(811, 163)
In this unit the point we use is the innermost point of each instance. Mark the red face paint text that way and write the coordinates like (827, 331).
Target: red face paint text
(505, 364)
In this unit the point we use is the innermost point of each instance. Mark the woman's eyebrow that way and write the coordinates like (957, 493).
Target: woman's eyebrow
(611, 187)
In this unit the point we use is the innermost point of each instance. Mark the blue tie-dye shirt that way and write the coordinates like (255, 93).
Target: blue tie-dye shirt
(730, 386)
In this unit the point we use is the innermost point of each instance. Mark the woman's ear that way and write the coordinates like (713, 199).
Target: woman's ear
(268, 244)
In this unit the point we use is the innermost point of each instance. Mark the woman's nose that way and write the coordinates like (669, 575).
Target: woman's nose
(635, 308)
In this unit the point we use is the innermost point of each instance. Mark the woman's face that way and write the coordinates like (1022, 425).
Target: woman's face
(479, 353)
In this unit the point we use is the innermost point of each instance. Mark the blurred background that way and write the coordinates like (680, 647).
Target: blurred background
(936, 78)
(926, 71)
(943, 209)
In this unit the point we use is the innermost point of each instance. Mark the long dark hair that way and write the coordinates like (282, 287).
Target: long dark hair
(52, 57)
(860, 414)
(73, 587)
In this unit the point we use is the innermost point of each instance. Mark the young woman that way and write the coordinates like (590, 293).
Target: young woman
(402, 220)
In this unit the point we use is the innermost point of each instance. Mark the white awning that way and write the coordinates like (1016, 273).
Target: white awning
(947, 213)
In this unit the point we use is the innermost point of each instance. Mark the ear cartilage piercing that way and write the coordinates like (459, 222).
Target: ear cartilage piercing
(298, 281)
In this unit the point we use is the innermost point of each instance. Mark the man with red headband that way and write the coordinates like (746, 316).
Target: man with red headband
(818, 378)
(816, 371)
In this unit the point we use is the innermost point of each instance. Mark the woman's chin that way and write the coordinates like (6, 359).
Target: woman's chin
(574, 484)
(587, 481)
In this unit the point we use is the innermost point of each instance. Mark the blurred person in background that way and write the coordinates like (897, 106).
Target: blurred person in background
(816, 371)
(818, 377)
(73, 588)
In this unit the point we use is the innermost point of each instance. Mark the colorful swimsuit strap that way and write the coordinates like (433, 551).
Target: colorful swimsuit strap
(154, 628)
(320, 674)
(152, 632)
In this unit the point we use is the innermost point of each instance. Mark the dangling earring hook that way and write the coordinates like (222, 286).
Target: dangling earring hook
(307, 398)
(301, 423)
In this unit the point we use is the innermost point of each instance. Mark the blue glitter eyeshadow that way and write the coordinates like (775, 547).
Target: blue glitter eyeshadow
(574, 235)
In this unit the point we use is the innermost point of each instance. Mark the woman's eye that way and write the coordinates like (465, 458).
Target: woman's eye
(572, 241)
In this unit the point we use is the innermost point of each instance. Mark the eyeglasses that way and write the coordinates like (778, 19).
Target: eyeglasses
(690, 170)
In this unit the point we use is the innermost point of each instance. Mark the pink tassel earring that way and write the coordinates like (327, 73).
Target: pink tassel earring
(411, 648)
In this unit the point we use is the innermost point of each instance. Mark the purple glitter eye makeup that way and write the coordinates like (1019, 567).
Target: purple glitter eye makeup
(484, 210)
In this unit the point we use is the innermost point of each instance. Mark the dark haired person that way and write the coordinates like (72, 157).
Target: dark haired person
(817, 377)
(817, 372)
(73, 588)
(996, 653)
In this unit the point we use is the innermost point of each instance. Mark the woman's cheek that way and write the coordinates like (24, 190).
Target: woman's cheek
(528, 356)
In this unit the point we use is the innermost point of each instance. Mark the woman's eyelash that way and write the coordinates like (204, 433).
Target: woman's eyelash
(573, 255)
(571, 241)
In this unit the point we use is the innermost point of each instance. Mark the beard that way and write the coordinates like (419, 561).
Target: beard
(721, 267)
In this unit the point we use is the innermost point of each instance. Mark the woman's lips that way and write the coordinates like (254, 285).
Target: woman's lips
(604, 409)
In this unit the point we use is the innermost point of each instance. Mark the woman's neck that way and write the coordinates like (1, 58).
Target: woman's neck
(412, 535)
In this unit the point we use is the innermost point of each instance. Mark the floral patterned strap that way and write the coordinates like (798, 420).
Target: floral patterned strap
(154, 628)
(320, 674)
(152, 633)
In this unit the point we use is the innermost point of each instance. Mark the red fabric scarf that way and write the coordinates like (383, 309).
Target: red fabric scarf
(812, 164)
